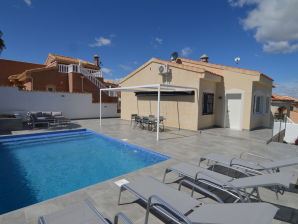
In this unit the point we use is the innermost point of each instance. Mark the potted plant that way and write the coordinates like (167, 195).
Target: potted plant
(21, 86)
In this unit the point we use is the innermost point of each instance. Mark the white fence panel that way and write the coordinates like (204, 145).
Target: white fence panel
(291, 133)
(72, 105)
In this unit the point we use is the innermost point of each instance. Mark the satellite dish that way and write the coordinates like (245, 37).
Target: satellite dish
(174, 56)
(237, 59)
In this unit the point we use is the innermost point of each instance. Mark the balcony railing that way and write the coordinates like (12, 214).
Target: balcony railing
(78, 69)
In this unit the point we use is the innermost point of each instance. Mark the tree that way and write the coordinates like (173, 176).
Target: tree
(2, 45)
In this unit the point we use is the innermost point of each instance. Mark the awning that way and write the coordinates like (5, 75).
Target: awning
(165, 93)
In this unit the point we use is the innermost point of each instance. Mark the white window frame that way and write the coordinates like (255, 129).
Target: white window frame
(260, 107)
(265, 102)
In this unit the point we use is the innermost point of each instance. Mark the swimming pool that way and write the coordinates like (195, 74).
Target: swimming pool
(37, 167)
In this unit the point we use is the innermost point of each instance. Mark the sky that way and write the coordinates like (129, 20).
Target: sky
(125, 34)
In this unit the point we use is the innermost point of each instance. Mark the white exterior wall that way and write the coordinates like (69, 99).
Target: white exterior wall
(72, 105)
(291, 133)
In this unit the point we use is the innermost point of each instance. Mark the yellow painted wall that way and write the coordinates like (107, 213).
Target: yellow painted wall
(186, 112)
(179, 111)
(264, 119)
(243, 80)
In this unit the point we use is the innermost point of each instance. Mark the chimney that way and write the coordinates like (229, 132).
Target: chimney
(204, 58)
(96, 60)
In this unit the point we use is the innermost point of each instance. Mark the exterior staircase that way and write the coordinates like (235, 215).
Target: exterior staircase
(90, 74)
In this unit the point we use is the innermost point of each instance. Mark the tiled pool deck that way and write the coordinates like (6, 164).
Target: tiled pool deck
(181, 146)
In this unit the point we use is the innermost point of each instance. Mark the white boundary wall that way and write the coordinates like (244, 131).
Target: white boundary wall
(72, 105)
(291, 133)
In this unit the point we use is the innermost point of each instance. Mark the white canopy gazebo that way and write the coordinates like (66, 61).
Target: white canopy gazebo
(144, 88)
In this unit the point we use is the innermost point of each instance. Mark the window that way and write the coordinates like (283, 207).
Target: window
(208, 99)
(258, 104)
(51, 88)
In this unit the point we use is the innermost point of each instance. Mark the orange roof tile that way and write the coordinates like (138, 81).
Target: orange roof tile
(68, 60)
(283, 98)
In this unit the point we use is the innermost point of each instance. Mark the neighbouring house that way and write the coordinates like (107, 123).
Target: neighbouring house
(8, 68)
(225, 96)
(58, 74)
(289, 105)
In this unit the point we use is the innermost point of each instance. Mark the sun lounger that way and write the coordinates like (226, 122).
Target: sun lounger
(251, 166)
(234, 187)
(181, 208)
(80, 213)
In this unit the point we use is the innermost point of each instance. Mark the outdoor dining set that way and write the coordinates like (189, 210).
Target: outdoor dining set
(147, 122)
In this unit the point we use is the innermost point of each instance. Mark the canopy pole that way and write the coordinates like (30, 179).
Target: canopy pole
(100, 107)
(158, 113)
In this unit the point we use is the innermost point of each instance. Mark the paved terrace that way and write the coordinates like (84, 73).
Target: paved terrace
(180, 145)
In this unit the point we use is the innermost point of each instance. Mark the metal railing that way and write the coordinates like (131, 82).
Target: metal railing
(77, 69)
(90, 74)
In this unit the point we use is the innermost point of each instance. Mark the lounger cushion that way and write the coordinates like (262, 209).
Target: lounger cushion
(56, 113)
(245, 213)
(281, 163)
(80, 213)
(281, 179)
(46, 114)
(148, 186)
(227, 160)
(190, 171)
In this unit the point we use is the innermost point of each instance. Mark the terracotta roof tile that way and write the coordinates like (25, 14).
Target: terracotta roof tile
(68, 60)
(27, 73)
(283, 98)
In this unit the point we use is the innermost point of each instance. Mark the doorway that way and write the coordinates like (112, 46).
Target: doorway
(233, 114)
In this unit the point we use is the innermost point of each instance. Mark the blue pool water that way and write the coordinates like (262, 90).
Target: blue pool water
(34, 168)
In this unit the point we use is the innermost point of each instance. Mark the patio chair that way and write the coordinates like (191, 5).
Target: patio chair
(80, 213)
(147, 121)
(161, 122)
(238, 188)
(181, 208)
(132, 118)
(151, 117)
(139, 122)
(251, 166)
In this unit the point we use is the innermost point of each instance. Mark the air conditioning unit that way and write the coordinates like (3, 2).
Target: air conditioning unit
(164, 69)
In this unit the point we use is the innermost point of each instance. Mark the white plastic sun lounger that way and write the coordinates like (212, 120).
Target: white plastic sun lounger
(235, 187)
(80, 213)
(181, 208)
(268, 165)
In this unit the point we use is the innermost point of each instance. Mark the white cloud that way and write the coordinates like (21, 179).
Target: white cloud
(107, 71)
(135, 62)
(186, 51)
(279, 47)
(101, 41)
(241, 3)
(158, 40)
(274, 23)
(28, 2)
(287, 89)
(125, 67)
